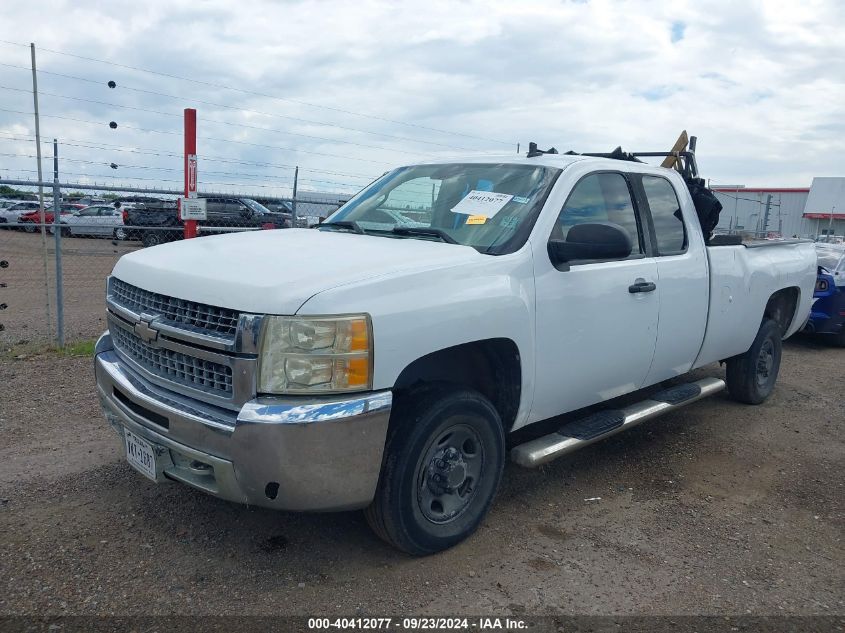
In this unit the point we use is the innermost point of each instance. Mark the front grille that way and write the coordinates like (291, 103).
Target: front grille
(174, 366)
(190, 315)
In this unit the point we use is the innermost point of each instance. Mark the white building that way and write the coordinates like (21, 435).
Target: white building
(802, 212)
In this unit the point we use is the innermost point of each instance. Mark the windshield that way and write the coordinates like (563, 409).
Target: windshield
(490, 207)
(829, 257)
(255, 207)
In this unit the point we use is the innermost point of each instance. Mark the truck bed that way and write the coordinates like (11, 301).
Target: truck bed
(742, 279)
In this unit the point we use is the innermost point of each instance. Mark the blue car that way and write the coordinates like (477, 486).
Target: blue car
(827, 316)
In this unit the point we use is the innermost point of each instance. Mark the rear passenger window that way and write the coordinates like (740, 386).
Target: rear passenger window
(600, 198)
(666, 214)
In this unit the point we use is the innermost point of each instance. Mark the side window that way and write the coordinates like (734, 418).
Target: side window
(669, 229)
(214, 205)
(600, 198)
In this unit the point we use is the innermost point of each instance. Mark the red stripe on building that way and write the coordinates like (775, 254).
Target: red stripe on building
(763, 190)
(824, 216)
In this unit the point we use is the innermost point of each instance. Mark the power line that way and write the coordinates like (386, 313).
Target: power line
(260, 94)
(204, 138)
(239, 109)
(205, 120)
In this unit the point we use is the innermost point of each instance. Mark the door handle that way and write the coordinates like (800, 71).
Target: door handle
(642, 286)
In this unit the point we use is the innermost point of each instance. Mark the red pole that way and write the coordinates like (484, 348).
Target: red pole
(190, 165)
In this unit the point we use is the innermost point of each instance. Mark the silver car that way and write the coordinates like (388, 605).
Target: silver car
(98, 220)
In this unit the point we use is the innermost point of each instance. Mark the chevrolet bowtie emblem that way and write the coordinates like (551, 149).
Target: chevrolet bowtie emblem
(145, 332)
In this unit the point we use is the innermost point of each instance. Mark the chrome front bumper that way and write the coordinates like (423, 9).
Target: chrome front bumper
(321, 453)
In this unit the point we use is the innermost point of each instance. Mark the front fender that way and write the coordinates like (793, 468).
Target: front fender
(415, 314)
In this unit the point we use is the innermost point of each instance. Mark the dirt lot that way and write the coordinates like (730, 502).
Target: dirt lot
(31, 313)
(719, 509)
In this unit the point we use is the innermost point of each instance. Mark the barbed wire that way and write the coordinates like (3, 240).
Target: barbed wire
(204, 138)
(83, 143)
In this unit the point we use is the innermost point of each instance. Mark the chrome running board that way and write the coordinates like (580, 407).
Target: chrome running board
(574, 435)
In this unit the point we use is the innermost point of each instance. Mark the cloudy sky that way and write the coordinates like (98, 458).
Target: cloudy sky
(347, 90)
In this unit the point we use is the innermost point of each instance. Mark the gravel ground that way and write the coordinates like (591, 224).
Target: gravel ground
(718, 509)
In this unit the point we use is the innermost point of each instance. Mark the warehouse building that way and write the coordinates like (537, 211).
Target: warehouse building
(814, 212)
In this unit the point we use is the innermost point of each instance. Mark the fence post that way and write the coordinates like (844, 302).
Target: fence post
(190, 165)
(40, 180)
(57, 232)
(293, 205)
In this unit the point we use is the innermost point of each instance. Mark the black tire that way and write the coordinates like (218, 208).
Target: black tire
(839, 339)
(120, 234)
(29, 227)
(443, 462)
(152, 238)
(751, 376)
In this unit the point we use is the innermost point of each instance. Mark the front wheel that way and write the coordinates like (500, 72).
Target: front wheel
(120, 233)
(751, 376)
(443, 462)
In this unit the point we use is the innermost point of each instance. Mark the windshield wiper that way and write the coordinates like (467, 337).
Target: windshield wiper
(426, 232)
(344, 224)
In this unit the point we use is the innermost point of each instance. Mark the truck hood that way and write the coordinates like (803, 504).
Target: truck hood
(275, 272)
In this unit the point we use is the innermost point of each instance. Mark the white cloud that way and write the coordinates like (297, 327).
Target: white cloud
(761, 83)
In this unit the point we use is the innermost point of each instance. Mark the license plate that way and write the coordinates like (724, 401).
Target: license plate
(140, 454)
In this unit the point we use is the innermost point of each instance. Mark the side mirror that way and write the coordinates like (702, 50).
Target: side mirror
(599, 240)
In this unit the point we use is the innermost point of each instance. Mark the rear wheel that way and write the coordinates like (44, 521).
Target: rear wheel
(751, 376)
(152, 238)
(839, 339)
(443, 463)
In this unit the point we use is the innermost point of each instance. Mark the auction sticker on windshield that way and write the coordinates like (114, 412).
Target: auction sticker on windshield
(140, 454)
(486, 203)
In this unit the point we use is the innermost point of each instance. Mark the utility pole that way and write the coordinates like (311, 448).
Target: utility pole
(766, 214)
(830, 224)
(57, 232)
(40, 186)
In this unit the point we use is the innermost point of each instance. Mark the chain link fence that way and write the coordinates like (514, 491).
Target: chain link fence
(53, 267)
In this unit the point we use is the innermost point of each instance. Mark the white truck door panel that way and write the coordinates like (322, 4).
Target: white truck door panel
(684, 293)
(595, 339)
(595, 333)
(682, 277)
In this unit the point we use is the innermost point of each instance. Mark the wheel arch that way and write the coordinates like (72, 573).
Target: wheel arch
(782, 307)
(490, 366)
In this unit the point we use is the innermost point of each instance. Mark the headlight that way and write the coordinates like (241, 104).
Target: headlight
(316, 354)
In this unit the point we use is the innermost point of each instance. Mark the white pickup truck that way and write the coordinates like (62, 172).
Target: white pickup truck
(381, 360)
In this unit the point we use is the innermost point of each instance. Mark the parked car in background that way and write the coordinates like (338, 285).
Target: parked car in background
(28, 214)
(71, 207)
(7, 214)
(158, 223)
(827, 316)
(98, 220)
(85, 201)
